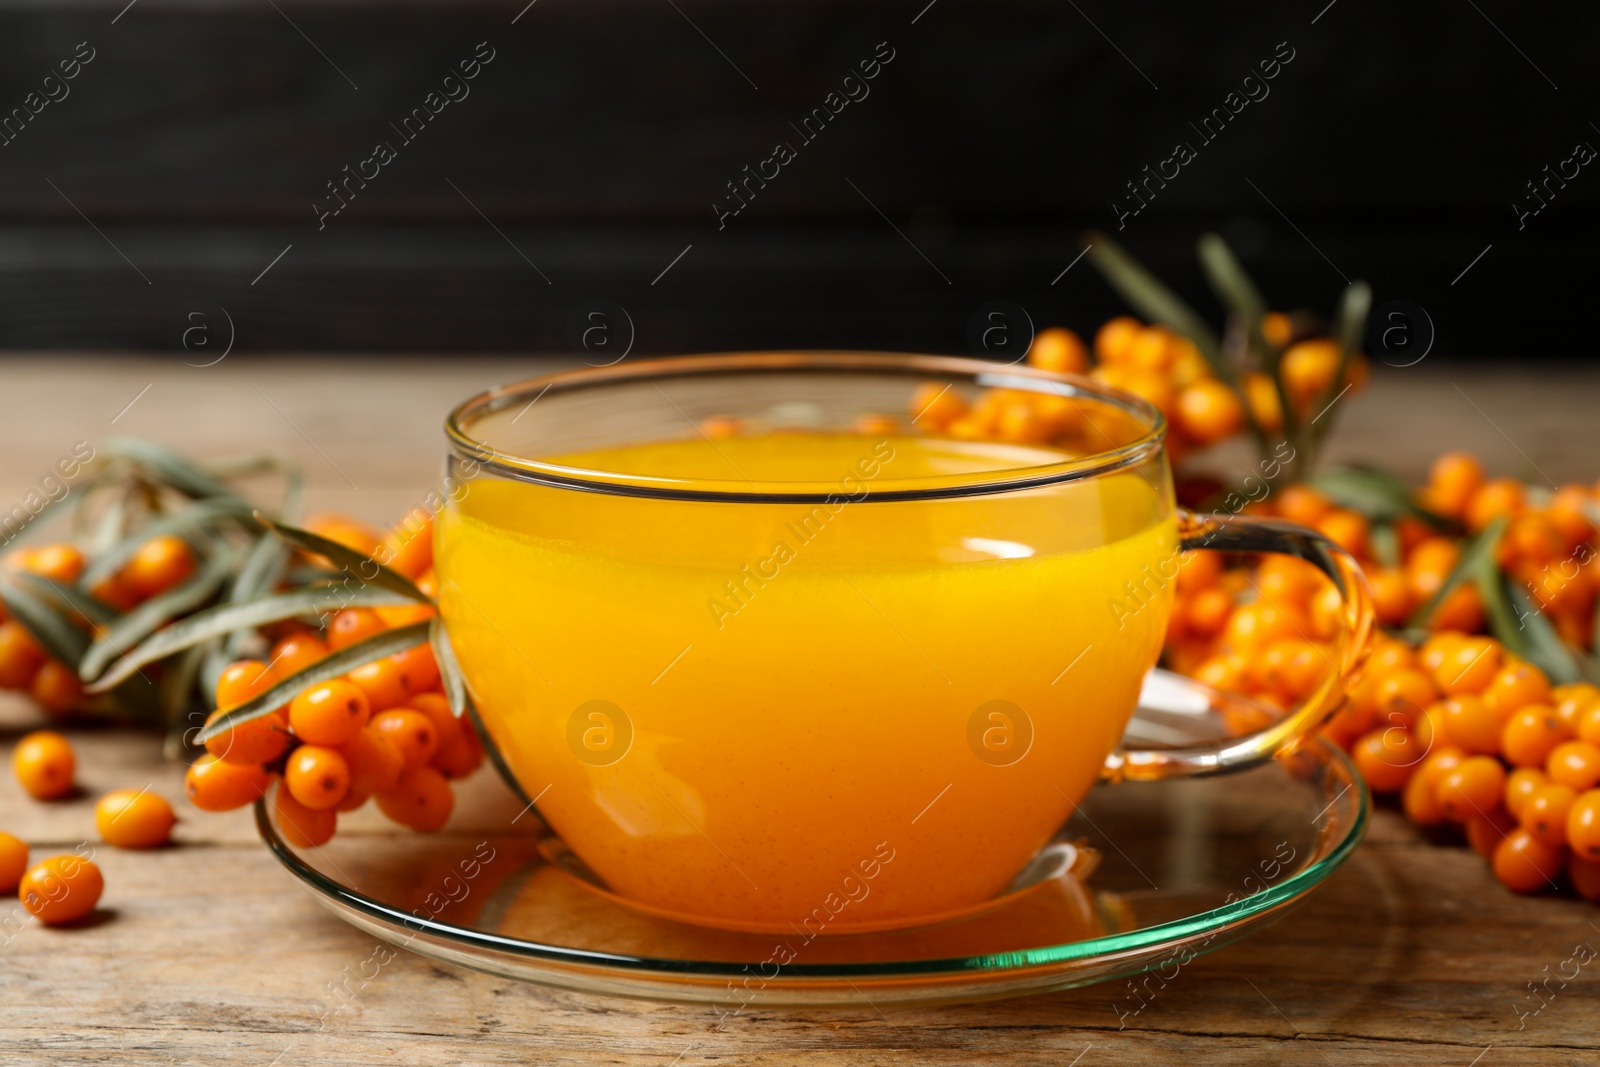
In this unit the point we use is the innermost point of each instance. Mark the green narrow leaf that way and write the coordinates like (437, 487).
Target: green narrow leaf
(1238, 293)
(455, 683)
(1377, 494)
(1542, 646)
(172, 467)
(339, 663)
(225, 619)
(1155, 301)
(1385, 542)
(192, 520)
(53, 630)
(68, 596)
(1479, 548)
(353, 563)
(150, 616)
(1349, 323)
(1497, 607)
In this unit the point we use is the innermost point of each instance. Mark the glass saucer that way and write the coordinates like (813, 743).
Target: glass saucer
(1143, 876)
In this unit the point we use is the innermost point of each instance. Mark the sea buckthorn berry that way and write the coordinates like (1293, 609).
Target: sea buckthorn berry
(61, 888)
(1261, 396)
(1112, 340)
(408, 548)
(1060, 350)
(1525, 864)
(330, 713)
(1222, 672)
(212, 785)
(869, 423)
(1407, 691)
(381, 682)
(375, 761)
(60, 563)
(421, 800)
(258, 741)
(1485, 832)
(1349, 724)
(1532, 537)
(1421, 796)
(1206, 612)
(20, 656)
(1584, 874)
(1327, 614)
(394, 615)
(1303, 504)
(436, 706)
(428, 584)
(301, 826)
(412, 733)
(317, 776)
(1472, 788)
(1346, 528)
(1387, 758)
(460, 756)
(1391, 596)
(1146, 384)
(134, 818)
(1496, 497)
(419, 671)
(1544, 813)
(343, 530)
(1434, 648)
(1297, 668)
(1468, 666)
(1530, 734)
(1429, 729)
(1575, 703)
(1574, 763)
(352, 625)
(1462, 609)
(1472, 724)
(1521, 784)
(13, 862)
(1583, 824)
(1452, 481)
(1256, 625)
(295, 653)
(243, 680)
(1197, 570)
(1150, 349)
(44, 764)
(1282, 578)
(1208, 411)
(352, 800)
(159, 564)
(56, 688)
(1429, 564)
(1388, 656)
(1516, 685)
(934, 406)
(1308, 367)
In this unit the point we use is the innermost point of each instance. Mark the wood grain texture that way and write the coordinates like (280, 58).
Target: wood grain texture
(208, 952)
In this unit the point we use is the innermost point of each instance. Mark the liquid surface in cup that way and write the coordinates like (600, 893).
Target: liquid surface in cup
(808, 718)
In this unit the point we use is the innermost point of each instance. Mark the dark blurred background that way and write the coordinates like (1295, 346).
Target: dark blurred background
(177, 171)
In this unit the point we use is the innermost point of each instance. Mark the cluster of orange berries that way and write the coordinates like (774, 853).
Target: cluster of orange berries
(384, 730)
(1469, 734)
(1548, 547)
(62, 888)
(1156, 364)
(156, 566)
(1463, 729)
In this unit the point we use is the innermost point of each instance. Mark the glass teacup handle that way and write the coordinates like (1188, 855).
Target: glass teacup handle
(1244, 533)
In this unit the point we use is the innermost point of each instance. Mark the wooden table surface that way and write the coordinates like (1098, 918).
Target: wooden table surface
(208, 952)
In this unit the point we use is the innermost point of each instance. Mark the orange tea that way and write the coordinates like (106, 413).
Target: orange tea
(816, 716)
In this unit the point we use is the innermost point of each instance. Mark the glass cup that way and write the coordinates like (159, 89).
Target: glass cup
(769, 656)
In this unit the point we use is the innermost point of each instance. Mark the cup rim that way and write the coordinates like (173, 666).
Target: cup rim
(976, 371)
